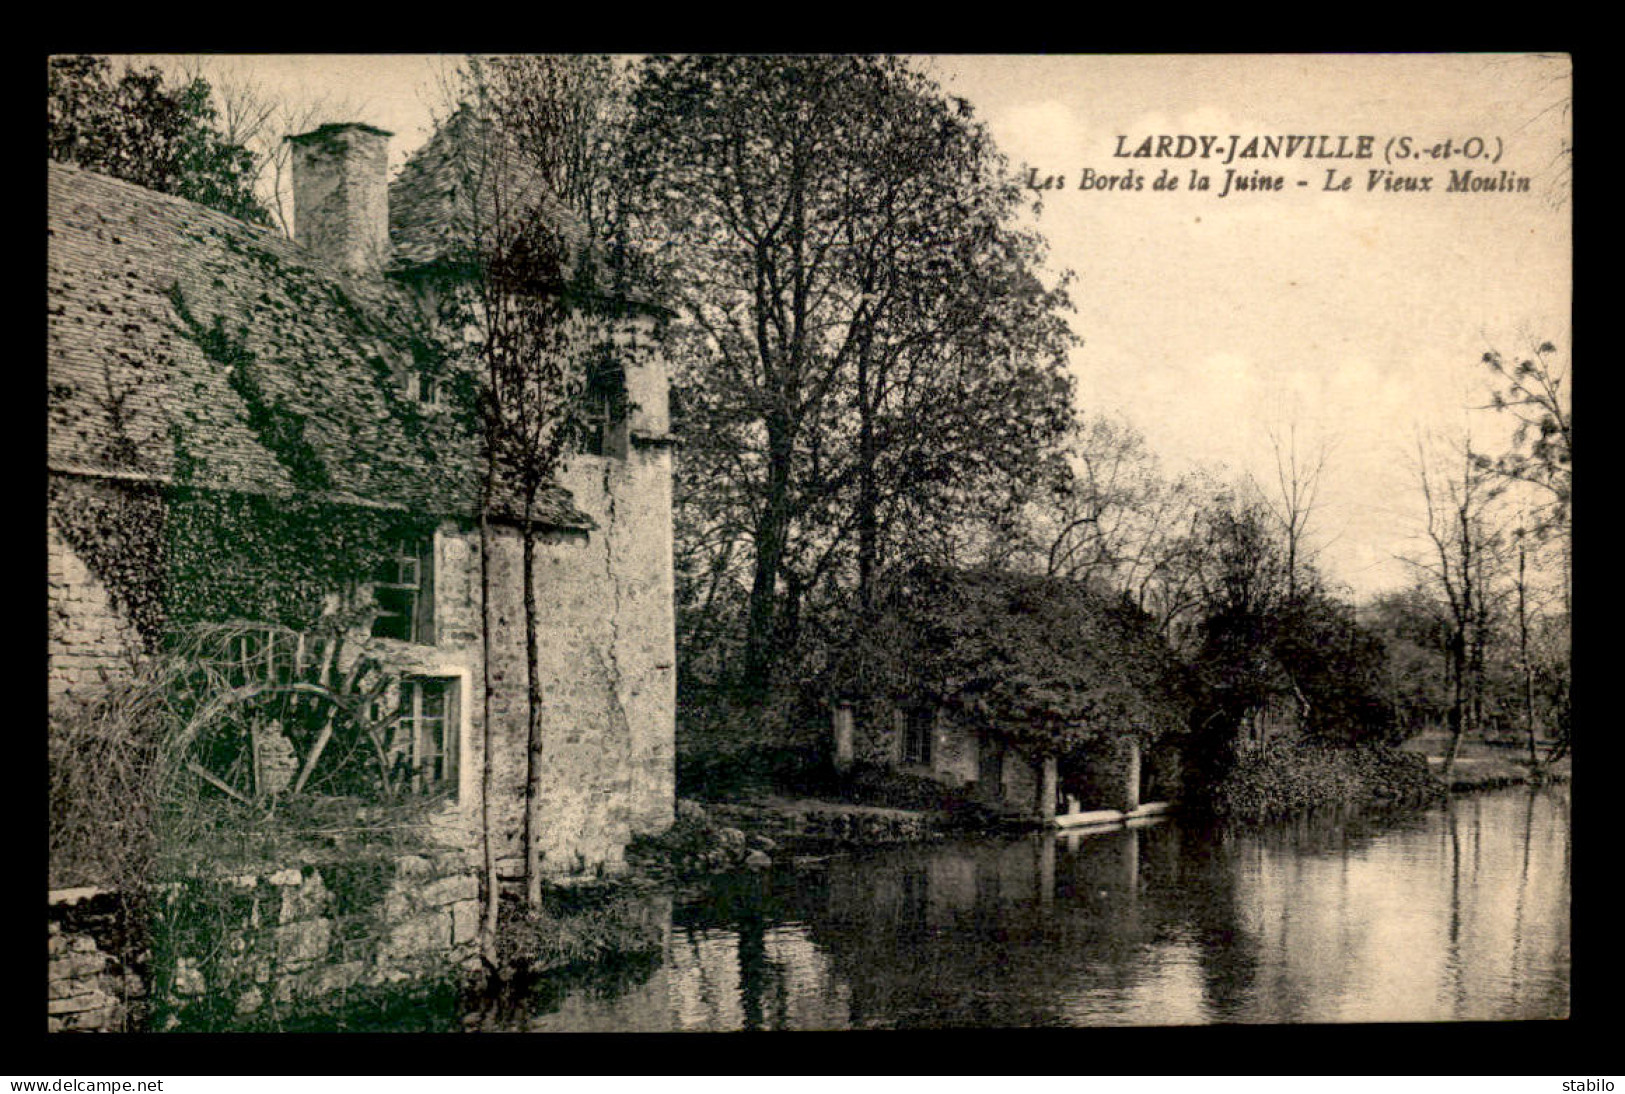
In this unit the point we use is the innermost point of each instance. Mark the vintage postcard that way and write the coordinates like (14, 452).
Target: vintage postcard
(725, 542)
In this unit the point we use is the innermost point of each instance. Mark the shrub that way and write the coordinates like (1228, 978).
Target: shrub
(870, 784)
(576, 927)
(107, 787)
(1289, 779)
(748, 772)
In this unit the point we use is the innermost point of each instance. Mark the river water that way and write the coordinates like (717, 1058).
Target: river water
(1459, 912)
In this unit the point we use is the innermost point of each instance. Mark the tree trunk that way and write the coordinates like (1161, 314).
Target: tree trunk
(1458, 699)
(1528, 672)
(533, 708)
(788, 625)
(868, 494)
(772, 532)
(488, 865)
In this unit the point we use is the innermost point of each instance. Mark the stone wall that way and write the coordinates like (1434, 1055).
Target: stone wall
(608, 667)
(1022, 774)
(955, 758)
(876, 738)
(244, 948)
(955, 751)
(341, 195)
(829, 822)
(607, 643)
(1111, 776)
(88, 987)
(88, 643)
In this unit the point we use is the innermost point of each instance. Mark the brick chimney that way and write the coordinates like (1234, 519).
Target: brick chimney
(341, 195)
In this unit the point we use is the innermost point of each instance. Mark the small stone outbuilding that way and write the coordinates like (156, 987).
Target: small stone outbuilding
(1032, 695)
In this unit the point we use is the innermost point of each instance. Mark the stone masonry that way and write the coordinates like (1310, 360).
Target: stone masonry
(607, 643)
(341, 196)
(87, 987)
(88, 643)
(285, 937)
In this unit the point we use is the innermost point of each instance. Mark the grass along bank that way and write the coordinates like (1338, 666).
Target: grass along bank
(1484, 765)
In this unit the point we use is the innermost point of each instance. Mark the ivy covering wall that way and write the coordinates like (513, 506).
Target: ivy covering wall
(174, 556)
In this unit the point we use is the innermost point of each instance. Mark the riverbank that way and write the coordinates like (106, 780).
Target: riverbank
(996, 932)
(758, 843)
(761, 826)
(770, 831)
(1473, 774)
(1483, 766)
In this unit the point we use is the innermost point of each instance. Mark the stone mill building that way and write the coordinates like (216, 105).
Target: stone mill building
(288, 391)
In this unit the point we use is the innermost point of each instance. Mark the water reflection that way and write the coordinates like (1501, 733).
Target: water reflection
(1458, 913)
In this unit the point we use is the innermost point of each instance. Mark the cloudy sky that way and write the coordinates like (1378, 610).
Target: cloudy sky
(1356, 317)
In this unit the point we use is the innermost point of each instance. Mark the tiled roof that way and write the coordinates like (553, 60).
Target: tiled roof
(430, 212)
(185, 345)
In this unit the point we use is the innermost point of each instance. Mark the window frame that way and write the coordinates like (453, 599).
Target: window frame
(419, 614)
(423, 390)
(604, 414)
(415, 693)
(919, 732)
(415, 384)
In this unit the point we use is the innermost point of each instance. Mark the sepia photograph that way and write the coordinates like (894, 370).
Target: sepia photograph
(573, 543)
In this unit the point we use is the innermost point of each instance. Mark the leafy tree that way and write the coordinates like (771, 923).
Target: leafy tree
(871, 360)
(256, 117)
(1535, 392)
(1269, 635)
(1243, 580)
(1336, 669)
(1414, 628)
(139, 128)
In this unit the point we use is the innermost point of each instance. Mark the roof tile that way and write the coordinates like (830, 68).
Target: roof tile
(173, 329)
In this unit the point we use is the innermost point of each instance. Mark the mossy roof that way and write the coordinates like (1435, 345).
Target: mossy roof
(186, 346)
(1022, 652)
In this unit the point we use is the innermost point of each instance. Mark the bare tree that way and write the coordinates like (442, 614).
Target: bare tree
(531, 191)
(1115, 520)
(1294, 501)
(259, 119)
(1463, 554)
(1093, 518)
